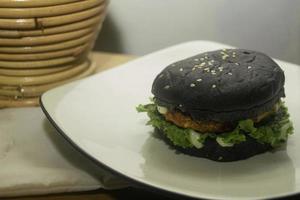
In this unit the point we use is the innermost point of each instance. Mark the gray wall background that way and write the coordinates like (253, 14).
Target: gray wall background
(142, 26)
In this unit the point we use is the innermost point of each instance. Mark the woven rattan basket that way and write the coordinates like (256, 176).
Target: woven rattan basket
(43, 44)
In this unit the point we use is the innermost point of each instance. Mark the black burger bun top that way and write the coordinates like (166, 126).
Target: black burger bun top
(222, 85)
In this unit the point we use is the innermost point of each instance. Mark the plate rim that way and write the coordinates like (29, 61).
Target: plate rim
(146, 186)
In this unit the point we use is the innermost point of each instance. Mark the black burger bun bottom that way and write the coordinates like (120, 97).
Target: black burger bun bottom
(223, 85)
(213, 151)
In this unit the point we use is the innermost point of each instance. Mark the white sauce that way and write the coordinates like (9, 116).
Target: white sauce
(162, 110)
(222, 143)
(194, 136)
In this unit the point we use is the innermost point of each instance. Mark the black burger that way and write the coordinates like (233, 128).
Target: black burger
(224, 105)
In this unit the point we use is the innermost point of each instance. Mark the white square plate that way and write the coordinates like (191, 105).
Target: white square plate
(97, 115)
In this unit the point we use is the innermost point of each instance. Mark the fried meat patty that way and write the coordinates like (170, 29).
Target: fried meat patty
(184, 121)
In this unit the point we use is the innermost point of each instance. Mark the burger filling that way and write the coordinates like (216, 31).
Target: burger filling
(184, 121)
(183, 131)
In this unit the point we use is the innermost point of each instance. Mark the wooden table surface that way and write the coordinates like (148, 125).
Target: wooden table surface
(104, 61)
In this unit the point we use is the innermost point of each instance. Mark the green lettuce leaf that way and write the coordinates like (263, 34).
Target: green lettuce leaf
(233, 137)
(274, 132)
(178, 136)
